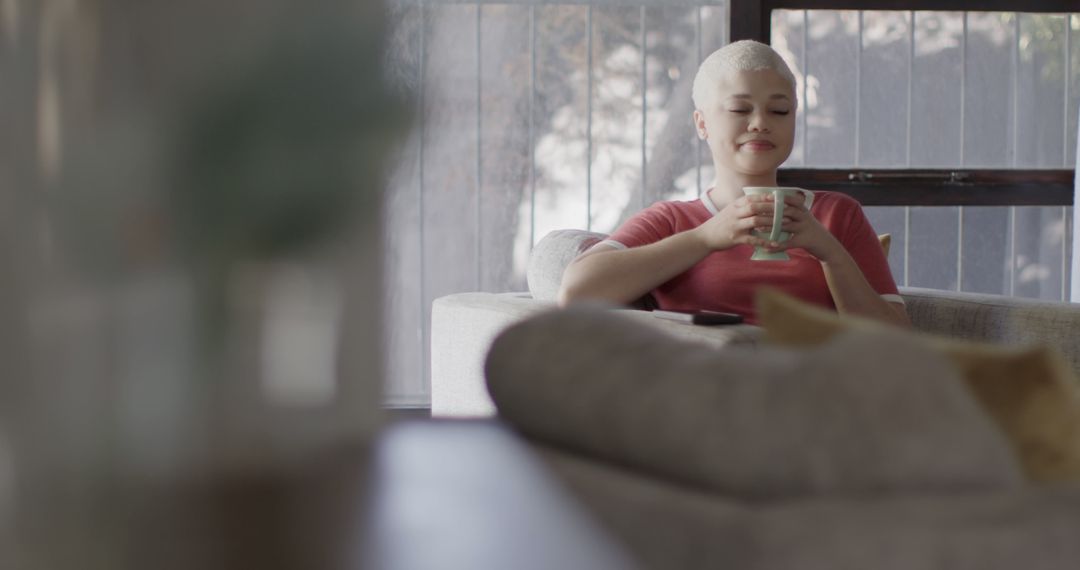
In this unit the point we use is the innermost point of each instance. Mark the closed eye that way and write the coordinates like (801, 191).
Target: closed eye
(781, 112)
(740, 111)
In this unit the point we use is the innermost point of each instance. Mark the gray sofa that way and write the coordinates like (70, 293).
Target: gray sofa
(702, 458)
(464, 325)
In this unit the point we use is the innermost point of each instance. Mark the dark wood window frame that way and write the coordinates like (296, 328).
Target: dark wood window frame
(752, 19)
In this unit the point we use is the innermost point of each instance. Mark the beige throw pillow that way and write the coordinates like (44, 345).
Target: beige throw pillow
(1029, 391)
(885, 240)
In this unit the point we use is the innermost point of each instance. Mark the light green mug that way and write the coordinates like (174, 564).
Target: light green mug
(776, 234)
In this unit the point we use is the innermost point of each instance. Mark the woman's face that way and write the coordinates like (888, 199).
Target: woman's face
(749, 122)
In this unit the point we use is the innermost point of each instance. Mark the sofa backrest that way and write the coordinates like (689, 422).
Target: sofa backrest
(996, 318)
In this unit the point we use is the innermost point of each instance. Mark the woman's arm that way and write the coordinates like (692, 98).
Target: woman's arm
(854, 295)
(850, 290)
(624, 275)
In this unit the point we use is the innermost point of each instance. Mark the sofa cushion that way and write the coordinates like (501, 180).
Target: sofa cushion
(886, 242)
(553, 253)
(1030, 390)
(866, 413)
(669, 526)
(997, 319)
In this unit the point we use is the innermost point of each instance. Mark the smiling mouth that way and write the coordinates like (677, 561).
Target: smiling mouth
(759, 145)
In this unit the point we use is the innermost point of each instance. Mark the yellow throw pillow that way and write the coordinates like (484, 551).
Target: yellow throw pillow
(1029, 391)
(886, 241)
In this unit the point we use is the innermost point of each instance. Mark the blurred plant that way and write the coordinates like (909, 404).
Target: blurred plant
(234, 152)
(284, 154)
(281, 155)
(212, 135)
(1043, 42)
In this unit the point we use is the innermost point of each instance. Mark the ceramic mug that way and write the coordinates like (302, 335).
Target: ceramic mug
(776, 234)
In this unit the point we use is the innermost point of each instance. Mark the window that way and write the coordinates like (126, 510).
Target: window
(541, 115)
(967, 120)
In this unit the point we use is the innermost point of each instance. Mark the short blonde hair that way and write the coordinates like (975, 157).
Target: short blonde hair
(743, 55)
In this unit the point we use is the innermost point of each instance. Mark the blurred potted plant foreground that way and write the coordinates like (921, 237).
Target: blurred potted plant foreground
(189, 318)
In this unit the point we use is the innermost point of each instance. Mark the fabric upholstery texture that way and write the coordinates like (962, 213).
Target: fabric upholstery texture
(863, 414)
(463, 327)
(667, 525)
(550, 257)
(1030, 391)
(997, 318)
(553, 253)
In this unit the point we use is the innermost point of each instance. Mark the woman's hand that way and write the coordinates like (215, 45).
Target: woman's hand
(806, 231)
(732, 225)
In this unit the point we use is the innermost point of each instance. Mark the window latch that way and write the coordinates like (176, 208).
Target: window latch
(946, 177)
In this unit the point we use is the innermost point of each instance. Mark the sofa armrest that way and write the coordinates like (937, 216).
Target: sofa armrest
(551, 255)
(464, 325)
(996, 318)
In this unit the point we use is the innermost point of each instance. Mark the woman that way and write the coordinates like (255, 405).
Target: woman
(696, 254)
